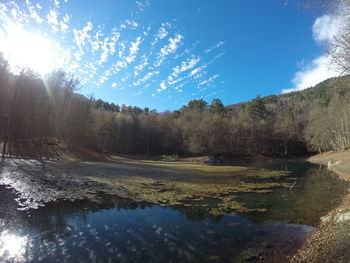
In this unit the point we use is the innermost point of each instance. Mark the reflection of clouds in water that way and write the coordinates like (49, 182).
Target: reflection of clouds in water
(12, 247)
(118, 230)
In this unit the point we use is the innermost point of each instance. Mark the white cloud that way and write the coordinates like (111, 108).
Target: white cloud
(33, 13)
(105, 51)
(173, 45)
(57, 4)
(81, 35)
(145, 78)
(95, 41)
(318, 70)
(115, 35)
(197, 70)
(36, 17)
(138, 68)
(66, 18)
(217, 45)
(52, 19)
(119, 65)
(162, 87)
(208, 81)
(162, 33)
(325, 30)
(134, 48)
(99, 57)
(131, 23)
(185, 65)
(121, 50)
(102, 79)
(63, 26)
(142, 5)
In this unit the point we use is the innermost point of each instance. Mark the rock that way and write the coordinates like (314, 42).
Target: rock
(267, 245)
(325, 219)
(250, 254)
(329, 164)
(342, 217)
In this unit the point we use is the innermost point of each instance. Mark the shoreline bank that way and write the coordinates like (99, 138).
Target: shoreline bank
(330, 241)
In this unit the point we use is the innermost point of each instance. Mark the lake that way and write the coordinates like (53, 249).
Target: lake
(113, 229)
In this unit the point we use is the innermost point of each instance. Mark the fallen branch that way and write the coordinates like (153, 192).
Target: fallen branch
(290, 188)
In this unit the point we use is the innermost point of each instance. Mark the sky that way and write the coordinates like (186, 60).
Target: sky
(162, 53)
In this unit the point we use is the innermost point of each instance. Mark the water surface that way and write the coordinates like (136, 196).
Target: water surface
(118, 230)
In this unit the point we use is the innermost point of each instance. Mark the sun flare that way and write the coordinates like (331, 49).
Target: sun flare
(23, 49)
(12, 246)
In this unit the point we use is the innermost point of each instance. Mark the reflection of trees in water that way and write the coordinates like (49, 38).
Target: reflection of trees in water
(53, 217)
(316, 192)
(53, 214)
(197, 213)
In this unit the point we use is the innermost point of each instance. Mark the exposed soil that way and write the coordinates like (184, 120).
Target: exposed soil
(49, 150)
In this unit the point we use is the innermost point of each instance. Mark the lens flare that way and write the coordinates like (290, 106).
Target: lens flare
(12, 247)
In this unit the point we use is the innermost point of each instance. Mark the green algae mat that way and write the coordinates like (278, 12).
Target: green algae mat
(191, 184)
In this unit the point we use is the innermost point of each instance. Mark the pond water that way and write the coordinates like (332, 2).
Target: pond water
(118, 230)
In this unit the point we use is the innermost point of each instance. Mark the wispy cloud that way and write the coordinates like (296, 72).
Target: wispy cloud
(142, 5)
(153, 57)
(134, 48)
(162, 33)
(33, 12)
(210, 80)
(144, 79)
(217, 45)
(52, 19)
(173, 45)
(185, 65)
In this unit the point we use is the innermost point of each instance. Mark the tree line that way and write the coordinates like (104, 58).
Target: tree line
(48, 111)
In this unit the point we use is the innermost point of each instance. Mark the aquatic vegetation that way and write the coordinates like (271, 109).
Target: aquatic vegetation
(190, 184)
(164, 183)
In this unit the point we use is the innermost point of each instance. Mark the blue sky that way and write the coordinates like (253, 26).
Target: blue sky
(161, 53)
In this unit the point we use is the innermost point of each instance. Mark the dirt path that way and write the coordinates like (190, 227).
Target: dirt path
(330, 243)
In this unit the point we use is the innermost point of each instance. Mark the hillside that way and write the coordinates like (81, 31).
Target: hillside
(320, 94)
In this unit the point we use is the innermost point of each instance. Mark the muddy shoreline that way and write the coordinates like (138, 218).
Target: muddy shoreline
(330, 242)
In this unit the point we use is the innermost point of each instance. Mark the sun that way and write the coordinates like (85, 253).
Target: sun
(24, 49)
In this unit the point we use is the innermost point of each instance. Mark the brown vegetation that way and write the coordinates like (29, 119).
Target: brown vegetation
(40, 114)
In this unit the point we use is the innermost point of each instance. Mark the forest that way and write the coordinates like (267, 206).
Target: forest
(37, 111)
